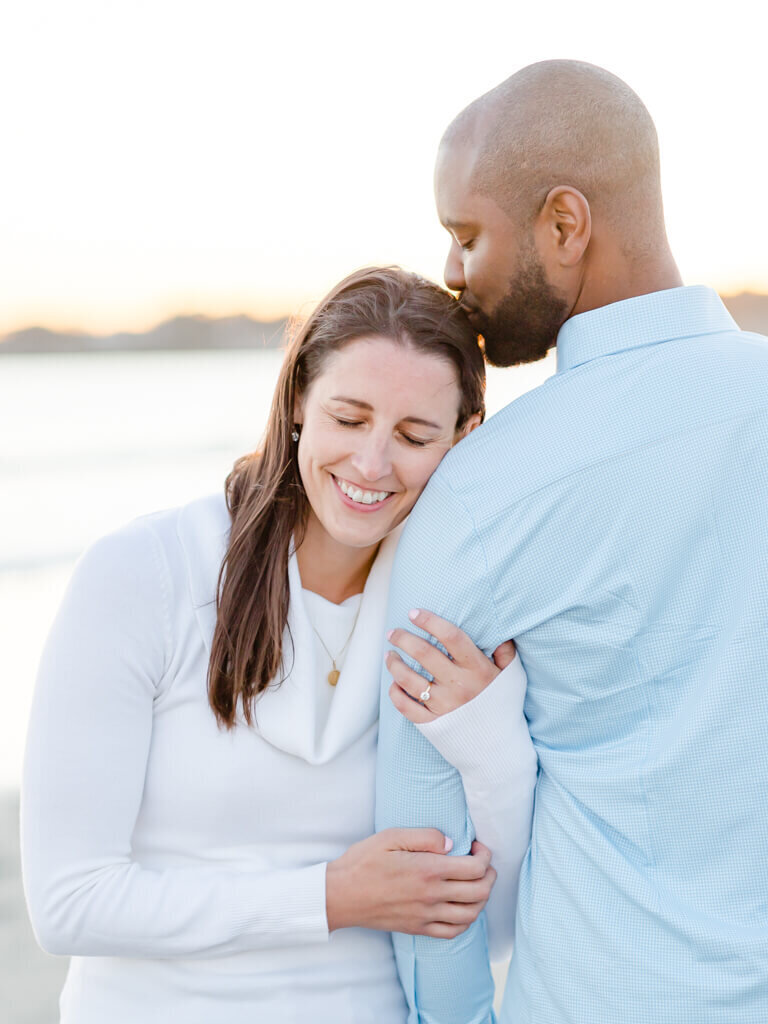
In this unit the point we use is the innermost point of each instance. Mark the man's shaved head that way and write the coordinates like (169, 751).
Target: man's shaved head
(549, 186)
(564, 122)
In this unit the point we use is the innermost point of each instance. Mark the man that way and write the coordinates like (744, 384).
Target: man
(612, 522)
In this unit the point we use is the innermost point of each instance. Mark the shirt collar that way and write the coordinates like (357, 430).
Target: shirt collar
(642, 320)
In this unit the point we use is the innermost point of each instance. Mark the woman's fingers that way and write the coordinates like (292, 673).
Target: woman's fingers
(418, 840)
(431, 658)
(413, 683)
(417, 713)
(470, 867)
(453, 639)
(472, 892)
(457, 679)
(458, 913)
(438, 930)
(403, 880)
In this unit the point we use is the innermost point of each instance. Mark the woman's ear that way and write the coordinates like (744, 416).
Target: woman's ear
(472, 423)
(298, 410)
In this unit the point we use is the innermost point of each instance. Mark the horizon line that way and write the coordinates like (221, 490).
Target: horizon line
(73, 331)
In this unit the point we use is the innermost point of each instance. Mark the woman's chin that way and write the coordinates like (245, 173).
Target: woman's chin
(365, 534)
(359, 538)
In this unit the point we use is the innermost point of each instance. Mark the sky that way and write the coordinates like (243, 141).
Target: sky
(240, 156)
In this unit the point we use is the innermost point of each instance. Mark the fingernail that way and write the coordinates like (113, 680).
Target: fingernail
(389, 633)
(413, 614)
(448, 844)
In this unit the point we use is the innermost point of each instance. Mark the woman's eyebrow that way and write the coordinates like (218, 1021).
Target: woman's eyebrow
(351, 401)
(366, 405)
(424, 423)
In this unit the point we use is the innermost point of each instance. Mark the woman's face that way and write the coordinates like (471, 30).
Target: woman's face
(374, 426)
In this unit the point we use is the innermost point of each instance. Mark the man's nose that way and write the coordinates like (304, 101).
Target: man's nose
(372, 459)
(454, 269)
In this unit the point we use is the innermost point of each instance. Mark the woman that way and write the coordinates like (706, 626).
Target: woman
(198, 794)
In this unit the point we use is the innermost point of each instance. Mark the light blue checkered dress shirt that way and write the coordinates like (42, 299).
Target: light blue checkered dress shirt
(614, 522)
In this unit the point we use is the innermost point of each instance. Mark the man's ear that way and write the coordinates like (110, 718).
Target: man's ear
(472, 423)
(564, 226)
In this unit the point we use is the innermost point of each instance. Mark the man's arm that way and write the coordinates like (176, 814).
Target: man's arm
(439, 566)
(487, 740)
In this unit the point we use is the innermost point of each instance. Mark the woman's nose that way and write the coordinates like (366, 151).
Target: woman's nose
(372, 460)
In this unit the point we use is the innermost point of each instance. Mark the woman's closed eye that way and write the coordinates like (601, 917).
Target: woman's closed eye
(415, 442)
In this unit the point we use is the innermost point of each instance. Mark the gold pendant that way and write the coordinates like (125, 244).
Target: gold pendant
(333, 676)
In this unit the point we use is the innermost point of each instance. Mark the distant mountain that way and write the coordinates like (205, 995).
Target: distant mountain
(182, 332)
(749, 310)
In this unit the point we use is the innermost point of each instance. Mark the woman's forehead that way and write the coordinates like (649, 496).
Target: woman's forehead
(387, 374)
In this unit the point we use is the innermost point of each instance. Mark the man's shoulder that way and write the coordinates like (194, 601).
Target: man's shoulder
(499, 455)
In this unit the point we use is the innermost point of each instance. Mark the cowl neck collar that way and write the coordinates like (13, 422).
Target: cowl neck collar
(286, 714)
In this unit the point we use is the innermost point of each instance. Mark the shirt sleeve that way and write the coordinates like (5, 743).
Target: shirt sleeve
(85, 762)
(440, 567)
(488, 742)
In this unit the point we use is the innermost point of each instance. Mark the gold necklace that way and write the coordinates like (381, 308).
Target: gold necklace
(333, 675)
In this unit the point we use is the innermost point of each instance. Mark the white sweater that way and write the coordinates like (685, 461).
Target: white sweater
(181, 865)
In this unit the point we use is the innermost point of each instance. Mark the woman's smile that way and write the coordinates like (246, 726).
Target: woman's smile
(359, 498)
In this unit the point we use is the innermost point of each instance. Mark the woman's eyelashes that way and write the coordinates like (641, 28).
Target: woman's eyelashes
(415, 442)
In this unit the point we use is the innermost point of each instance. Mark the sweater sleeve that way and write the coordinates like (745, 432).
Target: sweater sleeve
(487, 741)
(85, 763)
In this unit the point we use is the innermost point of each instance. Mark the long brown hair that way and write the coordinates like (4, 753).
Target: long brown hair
(265, 496)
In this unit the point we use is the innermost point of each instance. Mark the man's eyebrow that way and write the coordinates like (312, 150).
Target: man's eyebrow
(455, 225)
(365, 405)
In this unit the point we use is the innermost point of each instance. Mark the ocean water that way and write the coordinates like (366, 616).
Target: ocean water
(87, 442)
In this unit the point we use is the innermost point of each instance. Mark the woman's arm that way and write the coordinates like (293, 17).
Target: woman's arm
(103, 667)
(87, 749)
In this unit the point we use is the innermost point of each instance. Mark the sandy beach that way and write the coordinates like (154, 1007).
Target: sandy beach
(30, 980)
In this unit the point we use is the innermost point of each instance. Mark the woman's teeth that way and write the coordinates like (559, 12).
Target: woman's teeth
(364, 497)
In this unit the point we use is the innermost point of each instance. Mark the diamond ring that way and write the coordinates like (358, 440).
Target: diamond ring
(424, 697)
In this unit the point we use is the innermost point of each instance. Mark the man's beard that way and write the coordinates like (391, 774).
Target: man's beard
(524, 325)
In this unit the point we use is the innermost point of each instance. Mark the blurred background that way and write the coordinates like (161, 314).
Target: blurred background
(178, 177)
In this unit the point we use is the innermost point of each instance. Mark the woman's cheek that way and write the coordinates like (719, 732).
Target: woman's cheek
(427, 465)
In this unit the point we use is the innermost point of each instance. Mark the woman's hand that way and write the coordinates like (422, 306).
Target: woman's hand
(456, 679)
(401, 880)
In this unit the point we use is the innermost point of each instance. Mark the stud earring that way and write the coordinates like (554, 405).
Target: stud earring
(295, 435)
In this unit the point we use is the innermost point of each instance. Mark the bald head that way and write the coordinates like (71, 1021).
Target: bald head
(566, 123)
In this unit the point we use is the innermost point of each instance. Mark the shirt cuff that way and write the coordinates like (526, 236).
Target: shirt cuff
(288, 906)
(488, 736)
